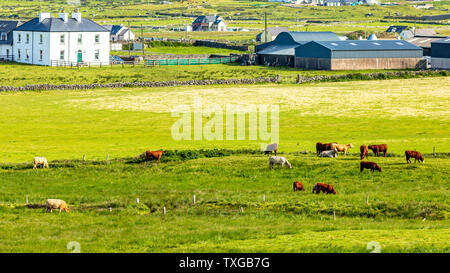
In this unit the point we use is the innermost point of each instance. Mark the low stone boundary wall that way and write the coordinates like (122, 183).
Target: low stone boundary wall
(275, 79)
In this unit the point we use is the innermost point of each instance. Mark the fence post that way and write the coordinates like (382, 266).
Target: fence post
(164, 211)
(367, 199)
(193, 199)
(334, 215)
(434, 151)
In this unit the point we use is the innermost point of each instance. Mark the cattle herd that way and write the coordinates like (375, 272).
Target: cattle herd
(332, 150)
(322, 150)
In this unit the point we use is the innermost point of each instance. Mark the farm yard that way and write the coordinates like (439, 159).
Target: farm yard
(241, 205)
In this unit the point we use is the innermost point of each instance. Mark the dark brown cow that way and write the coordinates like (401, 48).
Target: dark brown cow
(413, 154)
(364, 151)
(377, 149)
(369, 165)
(153, 155)
(298, 186)
(320, 147)
(325, 188)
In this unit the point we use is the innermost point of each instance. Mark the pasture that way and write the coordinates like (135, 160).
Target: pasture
(408, 209)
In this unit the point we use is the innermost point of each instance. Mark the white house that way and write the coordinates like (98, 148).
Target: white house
(6, 39)
(58, 41)
(120, 33)
(209, 23)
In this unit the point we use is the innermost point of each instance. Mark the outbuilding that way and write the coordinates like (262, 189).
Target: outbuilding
(281, 51)
(440, 54)
(358, 55)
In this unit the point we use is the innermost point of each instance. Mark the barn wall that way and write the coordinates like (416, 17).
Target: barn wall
(440, 63)
(374, 63)
(313, 63)
(276, 60)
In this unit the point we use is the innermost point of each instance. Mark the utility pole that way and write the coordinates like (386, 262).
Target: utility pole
(265, 26)
(142, 41)
(129, 47)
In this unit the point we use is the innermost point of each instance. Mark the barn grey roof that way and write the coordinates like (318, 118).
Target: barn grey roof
(7, 27)
(58, 25)
(445, 40)
(423, 41)
(286, 42)
(353, 45)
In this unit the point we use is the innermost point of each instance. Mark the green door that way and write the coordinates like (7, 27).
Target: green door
(79, 56)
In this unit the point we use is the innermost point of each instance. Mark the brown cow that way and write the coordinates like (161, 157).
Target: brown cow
(298, 186)
(320, 147)
(416, 155)
(364, 151)
(325, 188)
(376, 149)
(369, 165)
(153, 155)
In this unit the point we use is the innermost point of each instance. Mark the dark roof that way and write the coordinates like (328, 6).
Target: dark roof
(58, 25)
(397, 29)
(374, 45)
(445, 40)
(7, 27)
(208, 19)
(115, 29)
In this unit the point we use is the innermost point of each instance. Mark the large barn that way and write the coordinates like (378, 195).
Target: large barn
(440, 54)
(358, 54)
(281, 51)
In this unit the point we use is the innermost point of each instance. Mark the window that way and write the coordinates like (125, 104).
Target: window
(27, 54)
(61, 55)
(62, 39)
(97, 38)
(18, 54)
(41, 38)
(3, 36)
(41, 55)
(97, 55)
(28, 38)
(80, 38)
(19, 38)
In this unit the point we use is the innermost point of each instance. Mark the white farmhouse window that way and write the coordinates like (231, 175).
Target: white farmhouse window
(18, 54)
(80, 38)
(97, 38)
(28, 38)
(19, 38)
(27, 54)
(3, 36)
(41, 38)
(62, 39)
(97, 55)
(41, 55)
(61, 55)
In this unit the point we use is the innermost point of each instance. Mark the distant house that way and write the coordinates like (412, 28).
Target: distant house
(440, 54)
(209, 23)
(120, 33)
(409, 33)
(396, 29)
(55, 41)
(6, 39)
(272, 33)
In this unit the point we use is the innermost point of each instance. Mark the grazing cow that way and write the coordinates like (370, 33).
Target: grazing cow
(330, 153)
(152, 155)
(298, 186)
(41, 161)
(376, 149)
(320, 147)
(416, 155)
(364, 151)
(271, 148)
(342, 147)
(278, 160)
(369, 165)
(56, 204)
(325, 188)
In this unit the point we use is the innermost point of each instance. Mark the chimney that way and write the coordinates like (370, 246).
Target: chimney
(63, 16)
(43, 16)
(76, 15)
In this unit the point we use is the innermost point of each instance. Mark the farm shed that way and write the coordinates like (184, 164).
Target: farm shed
(357, 54)
(440, 54)
(281, 51)
(424, 42)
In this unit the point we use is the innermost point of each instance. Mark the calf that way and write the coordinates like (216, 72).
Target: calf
(330, 153)
(298, 186)
(56, 204)
(364, 151)
(376, 149)
(369, 165)
(413, 154)
(279, 160)
(325, 188)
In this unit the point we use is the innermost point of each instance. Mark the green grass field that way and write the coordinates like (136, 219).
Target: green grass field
(408, 208)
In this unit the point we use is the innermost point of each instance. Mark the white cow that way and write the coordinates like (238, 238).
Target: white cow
(278, 160)
(329, 153)
(40, 161)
